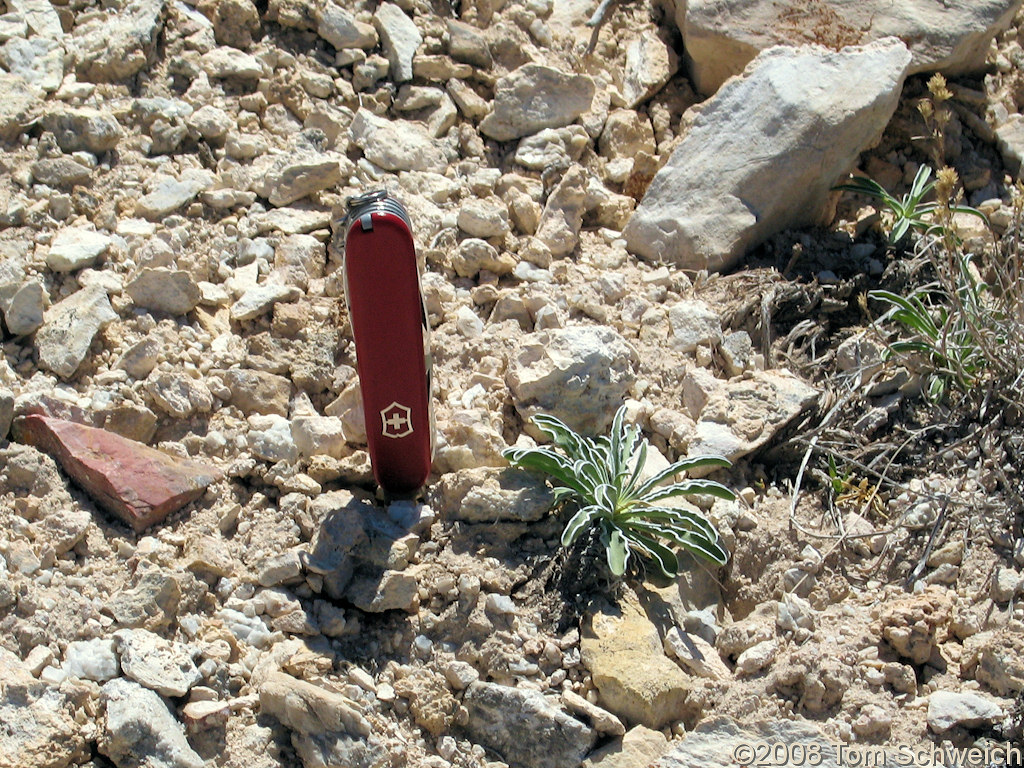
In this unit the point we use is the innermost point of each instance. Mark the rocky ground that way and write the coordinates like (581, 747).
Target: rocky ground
(236, 594)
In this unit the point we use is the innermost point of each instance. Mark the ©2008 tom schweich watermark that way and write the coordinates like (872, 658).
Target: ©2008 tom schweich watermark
(762, 754)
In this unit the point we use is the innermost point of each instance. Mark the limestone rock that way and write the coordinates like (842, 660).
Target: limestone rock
(6, 412)
(746, 413)
(231, 64)
(60, 172)
(258, 391)
(696, 654)
(534, 97)
(602, 720)
(19, 107)
(714, 743)
(299, 175)
(650, 64)
(41, 16)
(161, 665)
(39, 60)
(634, 678)
(235, 22)
(178, 394)
(396, 145)
(579, 374)
(269, 437)
(491, 494)
(94, 659)
(640, 746)
(474, 255)
(430, 700)
(69, 327)
(562, 219)
(767, 150)
(1010, 140)
(486, 217)
(995, 659)
(328, 728)
(309, 708)
(342, 30)
(140, 731)
(552, 147)
(525, 728)
(164, 290)
(74, 248)
(722, 36)
(25, 311)
(399, 39)
(39, 726)
(377, 592)
(261, 299)
(117, 46)
(319, 436)
(136, 483)
(693, 324)
(915, 624)
(467, 43)
(947, 709)
(83, 128)
(168, 194)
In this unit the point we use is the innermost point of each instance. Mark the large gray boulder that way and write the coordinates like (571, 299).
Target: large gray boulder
(722, 36)
(764, 152)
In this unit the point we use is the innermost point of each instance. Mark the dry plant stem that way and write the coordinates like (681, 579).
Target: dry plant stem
(597, 20)
(921, 563)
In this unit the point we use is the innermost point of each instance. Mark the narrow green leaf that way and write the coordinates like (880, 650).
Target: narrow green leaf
(683, 465)
(617, 552)
(662, 555)
(689, 488)
(710, 550)
(577, 524)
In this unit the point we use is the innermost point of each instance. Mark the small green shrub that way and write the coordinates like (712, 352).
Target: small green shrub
(601, 478)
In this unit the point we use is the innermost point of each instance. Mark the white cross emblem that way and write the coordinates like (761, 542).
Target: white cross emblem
(396, 420)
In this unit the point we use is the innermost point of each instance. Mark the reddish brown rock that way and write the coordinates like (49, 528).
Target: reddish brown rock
(138, 484)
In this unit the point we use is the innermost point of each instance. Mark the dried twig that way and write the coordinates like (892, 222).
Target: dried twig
(597, 20)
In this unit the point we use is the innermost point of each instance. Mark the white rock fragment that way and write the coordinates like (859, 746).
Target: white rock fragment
(261, 299)
(95, 659)
(650, 64)
(139, 722)
(483, 217)
(756, 658)
(69, 328)
(159, 664)
(694, 323)
(168, 194)
(40, 16)
(947, 709)
(342, 30)
(696, 654)
(228, 63)
(164, 290)
(25, 310)
(396, 145)
(399, 38)
(534, 97)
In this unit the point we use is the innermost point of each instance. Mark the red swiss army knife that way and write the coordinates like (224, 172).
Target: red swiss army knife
(392, 338)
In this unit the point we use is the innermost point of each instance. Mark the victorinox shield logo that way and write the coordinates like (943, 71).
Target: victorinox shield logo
(396, 420)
